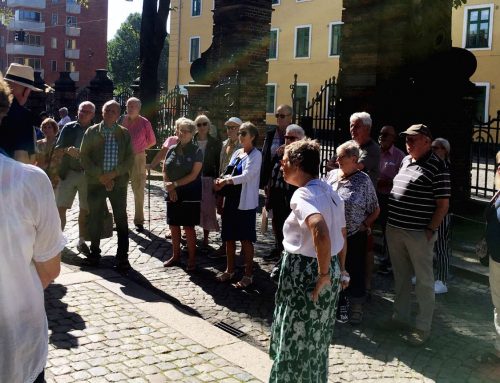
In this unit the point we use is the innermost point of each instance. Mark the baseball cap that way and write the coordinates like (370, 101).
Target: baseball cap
(417, 129)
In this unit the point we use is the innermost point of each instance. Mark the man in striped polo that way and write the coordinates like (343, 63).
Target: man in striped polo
(418, 202)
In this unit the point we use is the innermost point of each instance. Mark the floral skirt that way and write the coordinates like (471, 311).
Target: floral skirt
(302, 330)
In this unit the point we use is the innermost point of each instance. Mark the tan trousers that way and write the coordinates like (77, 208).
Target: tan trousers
(138, 182)
(495, 297)
(410, 251)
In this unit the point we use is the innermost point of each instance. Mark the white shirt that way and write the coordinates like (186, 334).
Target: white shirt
(63, 121)
(249, 179)
(30, 230)
(316, 197)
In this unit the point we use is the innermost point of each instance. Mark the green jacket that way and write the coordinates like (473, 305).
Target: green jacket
(92, 154)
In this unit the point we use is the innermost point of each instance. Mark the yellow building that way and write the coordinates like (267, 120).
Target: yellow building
(305, 40)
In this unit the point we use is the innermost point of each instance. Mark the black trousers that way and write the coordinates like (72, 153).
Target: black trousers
(280, 205)
(97, 195)
(355, 265)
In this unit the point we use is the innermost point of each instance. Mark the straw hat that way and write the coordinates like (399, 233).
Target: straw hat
(23, 75)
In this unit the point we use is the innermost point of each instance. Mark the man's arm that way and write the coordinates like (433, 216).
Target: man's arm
(49, 270)
(442, 206)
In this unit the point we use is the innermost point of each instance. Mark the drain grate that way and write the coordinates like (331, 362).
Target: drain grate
(230, 329)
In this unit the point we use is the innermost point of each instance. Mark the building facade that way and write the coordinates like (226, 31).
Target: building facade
(54, 36)
(304, 40)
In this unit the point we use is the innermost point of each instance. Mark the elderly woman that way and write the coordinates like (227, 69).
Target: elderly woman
(361, 210)
(46, 157)
(210, 147)
(241, 198)
(309, 282)
(182, 177)
(441, 148)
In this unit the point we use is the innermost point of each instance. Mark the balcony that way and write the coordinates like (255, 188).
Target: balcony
(73, 54)
(73, 8)
(23, 49)
(37, 4)
(75, 76)
(28, 26)
(72, 31)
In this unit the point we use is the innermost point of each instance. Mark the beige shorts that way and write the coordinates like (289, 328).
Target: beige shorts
(67, 188)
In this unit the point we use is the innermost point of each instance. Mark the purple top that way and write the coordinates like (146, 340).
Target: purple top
(390, 162)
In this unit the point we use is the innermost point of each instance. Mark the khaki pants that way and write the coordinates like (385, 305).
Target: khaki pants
(495, 297)
(410, 251)
(138, 182)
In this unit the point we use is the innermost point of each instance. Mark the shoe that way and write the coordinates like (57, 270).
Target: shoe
(414, 280)
(417, 337)
(225, 276)
(123, 265)
(384, 269)
(139, 228)
(244, 283)
(356, 315)
(83, 249)
(440, 287)
(172, 262)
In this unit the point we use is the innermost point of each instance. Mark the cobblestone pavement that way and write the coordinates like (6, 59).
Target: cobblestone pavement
(462, 328)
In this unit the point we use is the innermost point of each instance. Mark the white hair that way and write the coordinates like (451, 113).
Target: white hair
(296, 129)
(364, 117)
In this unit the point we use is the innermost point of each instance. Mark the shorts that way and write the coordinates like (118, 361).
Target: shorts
(67, 188)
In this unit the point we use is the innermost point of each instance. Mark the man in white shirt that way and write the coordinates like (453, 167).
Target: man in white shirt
(63, 112)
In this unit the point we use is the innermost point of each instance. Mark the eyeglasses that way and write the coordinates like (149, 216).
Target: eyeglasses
(243, 133)
(184, 131)
(231, 127)
(200, 124)
(280, 115)
(292, 138)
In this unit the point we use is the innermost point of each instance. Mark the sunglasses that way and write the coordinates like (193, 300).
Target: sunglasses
(293, 138)
(200, 124)
(279, 115)
(231, 127)
(243, 133)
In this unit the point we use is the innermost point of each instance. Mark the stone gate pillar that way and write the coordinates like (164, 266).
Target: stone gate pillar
(65, 94)
(36, 100)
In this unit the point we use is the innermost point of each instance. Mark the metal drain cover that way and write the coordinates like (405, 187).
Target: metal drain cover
(230, 329)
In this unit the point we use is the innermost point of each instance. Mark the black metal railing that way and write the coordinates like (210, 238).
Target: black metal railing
(171, 106)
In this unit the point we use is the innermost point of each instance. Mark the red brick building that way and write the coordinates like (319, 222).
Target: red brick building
(54, 36)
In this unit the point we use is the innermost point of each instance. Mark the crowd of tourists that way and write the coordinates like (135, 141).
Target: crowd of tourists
(323, 226)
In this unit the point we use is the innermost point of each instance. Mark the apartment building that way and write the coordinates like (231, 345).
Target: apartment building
(304, 39)
(54, 36)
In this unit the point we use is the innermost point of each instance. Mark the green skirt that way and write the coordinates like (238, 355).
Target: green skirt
(302, 330)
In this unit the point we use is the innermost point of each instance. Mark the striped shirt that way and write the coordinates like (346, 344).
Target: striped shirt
(416, 188)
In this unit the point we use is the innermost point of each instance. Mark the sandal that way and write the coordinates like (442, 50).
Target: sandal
(244, 283)
(225, 276)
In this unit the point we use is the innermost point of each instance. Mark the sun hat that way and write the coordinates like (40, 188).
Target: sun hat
(22, 75)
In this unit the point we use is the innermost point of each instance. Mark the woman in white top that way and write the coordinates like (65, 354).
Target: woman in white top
(240, 187)
(309, 283)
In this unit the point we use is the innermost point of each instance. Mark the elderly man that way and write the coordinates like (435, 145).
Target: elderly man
(390, 161)
(107, 157)
(360, 128)
(143, 138)
(71, 171)
(31, 242)
(63, 113)
(418, 202)
(17, 136)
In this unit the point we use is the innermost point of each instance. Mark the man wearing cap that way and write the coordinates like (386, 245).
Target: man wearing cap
(418, 202)
(17, 136)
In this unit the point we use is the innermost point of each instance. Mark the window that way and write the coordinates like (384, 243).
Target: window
(194, 48)
(35, 63)
(53, 42)
(71, 21)
(270, 98)
(273, 44)
(30, 39)
(334, 41)
(275, 2)
(300, 97)
(55, 19)
(53, 65)
(29, 15)
(195, 7)
(71, 44)
(482, 96)
(302, 41)
(478, 27)
(69, 66)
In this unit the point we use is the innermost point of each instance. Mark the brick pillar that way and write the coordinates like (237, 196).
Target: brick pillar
(65, 94)
(36, 100)
(101, 90)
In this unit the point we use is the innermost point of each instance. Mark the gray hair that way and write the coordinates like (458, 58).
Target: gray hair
(91, 104)
(183, 121)
(350, 148)
(364, 117)
(203, 118)
(445, 144)
(306, 155)
(294, 128)
(287, 108)
(111, 102)
(64, 110)
(134, 99)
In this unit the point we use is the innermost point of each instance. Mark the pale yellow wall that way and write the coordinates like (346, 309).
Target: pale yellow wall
(488, 60)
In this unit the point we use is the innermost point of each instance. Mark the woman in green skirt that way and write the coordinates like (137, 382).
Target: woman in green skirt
(311, 271)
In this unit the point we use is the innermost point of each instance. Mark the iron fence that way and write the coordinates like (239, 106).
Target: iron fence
(171, 106)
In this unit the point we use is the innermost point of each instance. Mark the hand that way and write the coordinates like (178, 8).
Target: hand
(109, 185)
(169, 186)
(428, 234)
(344, 279)
(322, 282)
(73, 152)
(106, 177)
(172, 195)
(219, 183)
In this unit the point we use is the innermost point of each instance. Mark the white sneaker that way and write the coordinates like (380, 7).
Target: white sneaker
(440, 287)
(414, 280)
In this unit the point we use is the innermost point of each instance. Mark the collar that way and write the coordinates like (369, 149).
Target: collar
(102, 128)
(422, 159)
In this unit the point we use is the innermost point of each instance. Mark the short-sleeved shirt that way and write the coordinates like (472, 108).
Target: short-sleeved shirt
(390, 162)
(370, 158)
(16, 130)
(141, 133)
(170, 141)
(315, 197)
(417, 186)
(359, 197)
(179, 164)
(28, 211)
(71, 135)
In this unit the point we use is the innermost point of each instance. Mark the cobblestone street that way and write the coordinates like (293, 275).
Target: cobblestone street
(156, 324)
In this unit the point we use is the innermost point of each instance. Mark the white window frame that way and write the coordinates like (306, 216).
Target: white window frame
(199, 47)
(278, 3)
(486, 99)
(302, 1)
(53, 42)
(275, 85)
(295, 42)
(201, 9)
(464, 32)
(277, 44)
(330, 27)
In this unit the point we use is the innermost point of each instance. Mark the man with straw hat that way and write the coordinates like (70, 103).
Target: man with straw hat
(17, 136)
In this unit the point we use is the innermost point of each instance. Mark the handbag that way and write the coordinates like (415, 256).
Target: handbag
(230, 190)
(342, 315)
